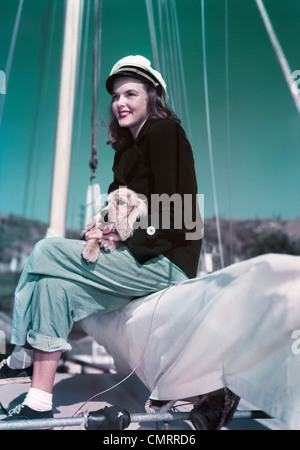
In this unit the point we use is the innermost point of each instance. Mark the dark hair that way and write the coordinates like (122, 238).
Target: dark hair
(121, 138)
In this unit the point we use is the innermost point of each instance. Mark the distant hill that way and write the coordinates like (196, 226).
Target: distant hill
(19, 235)
(240, 239)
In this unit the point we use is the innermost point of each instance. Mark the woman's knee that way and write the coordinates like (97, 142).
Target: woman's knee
(46, 246)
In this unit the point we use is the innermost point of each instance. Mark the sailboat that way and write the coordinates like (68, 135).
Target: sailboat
(218, 287)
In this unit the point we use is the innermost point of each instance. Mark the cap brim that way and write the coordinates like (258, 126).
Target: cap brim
(126, 73)
(111, 79)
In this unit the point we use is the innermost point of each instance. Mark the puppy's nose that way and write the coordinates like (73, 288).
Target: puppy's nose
(104, 214)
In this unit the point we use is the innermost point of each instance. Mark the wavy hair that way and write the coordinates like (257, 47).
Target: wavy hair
(120, 138)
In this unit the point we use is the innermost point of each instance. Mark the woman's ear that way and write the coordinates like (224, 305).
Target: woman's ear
(138, 209)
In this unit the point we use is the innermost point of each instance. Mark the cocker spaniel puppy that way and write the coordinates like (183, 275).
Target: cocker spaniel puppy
(123, 208)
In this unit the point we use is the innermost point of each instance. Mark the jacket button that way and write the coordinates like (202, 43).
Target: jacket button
(151, 230)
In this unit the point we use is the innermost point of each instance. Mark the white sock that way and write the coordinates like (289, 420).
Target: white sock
(20, 358)
(38, 400)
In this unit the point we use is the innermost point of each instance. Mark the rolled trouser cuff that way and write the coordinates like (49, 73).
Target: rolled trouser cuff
(47, 343)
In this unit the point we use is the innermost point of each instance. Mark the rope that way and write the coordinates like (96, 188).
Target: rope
(181, 67)
(38, 115)
(228, 132)
(171, 56)
(161, 37)
(150, 15)
(209, 135)
(166, 54)
(51, 12)
(279, 53)
(93, 163)
(81, 98)
(173, 42)
(174, 52)
(140, 359)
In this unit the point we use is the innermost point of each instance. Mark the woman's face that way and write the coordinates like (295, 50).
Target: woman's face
(130, 104)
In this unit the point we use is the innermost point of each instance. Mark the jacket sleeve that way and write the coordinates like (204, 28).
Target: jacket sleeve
(173, 190)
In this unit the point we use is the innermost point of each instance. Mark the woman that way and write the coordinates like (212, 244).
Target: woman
(57, 287)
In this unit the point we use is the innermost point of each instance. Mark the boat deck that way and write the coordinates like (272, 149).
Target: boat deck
(76, 383)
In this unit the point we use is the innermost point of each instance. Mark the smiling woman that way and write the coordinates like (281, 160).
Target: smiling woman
(153, 156)
(142, 84)
(263, 125)
(130, 104)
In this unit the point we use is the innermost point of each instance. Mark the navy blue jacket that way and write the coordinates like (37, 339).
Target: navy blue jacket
(161, 161)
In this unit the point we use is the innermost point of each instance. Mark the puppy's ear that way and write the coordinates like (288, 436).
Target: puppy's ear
(138, 208)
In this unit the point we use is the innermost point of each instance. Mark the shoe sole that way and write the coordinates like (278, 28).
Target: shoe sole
(21, 380)
(199, 421)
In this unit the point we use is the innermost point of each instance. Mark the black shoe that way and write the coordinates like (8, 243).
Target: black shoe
(8, 375)
(214, 410)
(23, 412)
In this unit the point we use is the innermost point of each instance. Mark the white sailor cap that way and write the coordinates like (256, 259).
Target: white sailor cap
(138, 67)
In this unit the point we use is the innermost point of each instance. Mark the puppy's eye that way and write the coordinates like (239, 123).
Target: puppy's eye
(105, 203)
(120, 202)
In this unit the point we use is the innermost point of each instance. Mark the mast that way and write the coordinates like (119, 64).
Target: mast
(279, 53)
(64, 128)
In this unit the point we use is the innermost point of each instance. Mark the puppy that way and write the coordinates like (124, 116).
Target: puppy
(116, 219)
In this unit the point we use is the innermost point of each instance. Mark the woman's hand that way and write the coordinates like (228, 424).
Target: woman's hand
(111, 236)
(94, 233)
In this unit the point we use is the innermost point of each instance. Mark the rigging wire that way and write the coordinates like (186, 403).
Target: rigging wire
(142, 355)
(96, 84)
(175, 51)
(93, 201)
(81, 97)
(279, 52)
(166, 57)
(150, 15)
(33, 158)
(209, 135)
(228, 133)
(50, 13)
(181, 68)
(161, 37)
(172, 57)
(172, 61)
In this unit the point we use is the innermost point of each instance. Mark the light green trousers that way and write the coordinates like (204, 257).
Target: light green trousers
(57, 288)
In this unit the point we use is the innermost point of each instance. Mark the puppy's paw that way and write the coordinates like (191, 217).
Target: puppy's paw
(90, 253)
(106, 245)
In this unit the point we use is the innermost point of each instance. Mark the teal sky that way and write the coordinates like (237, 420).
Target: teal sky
(264, 151)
